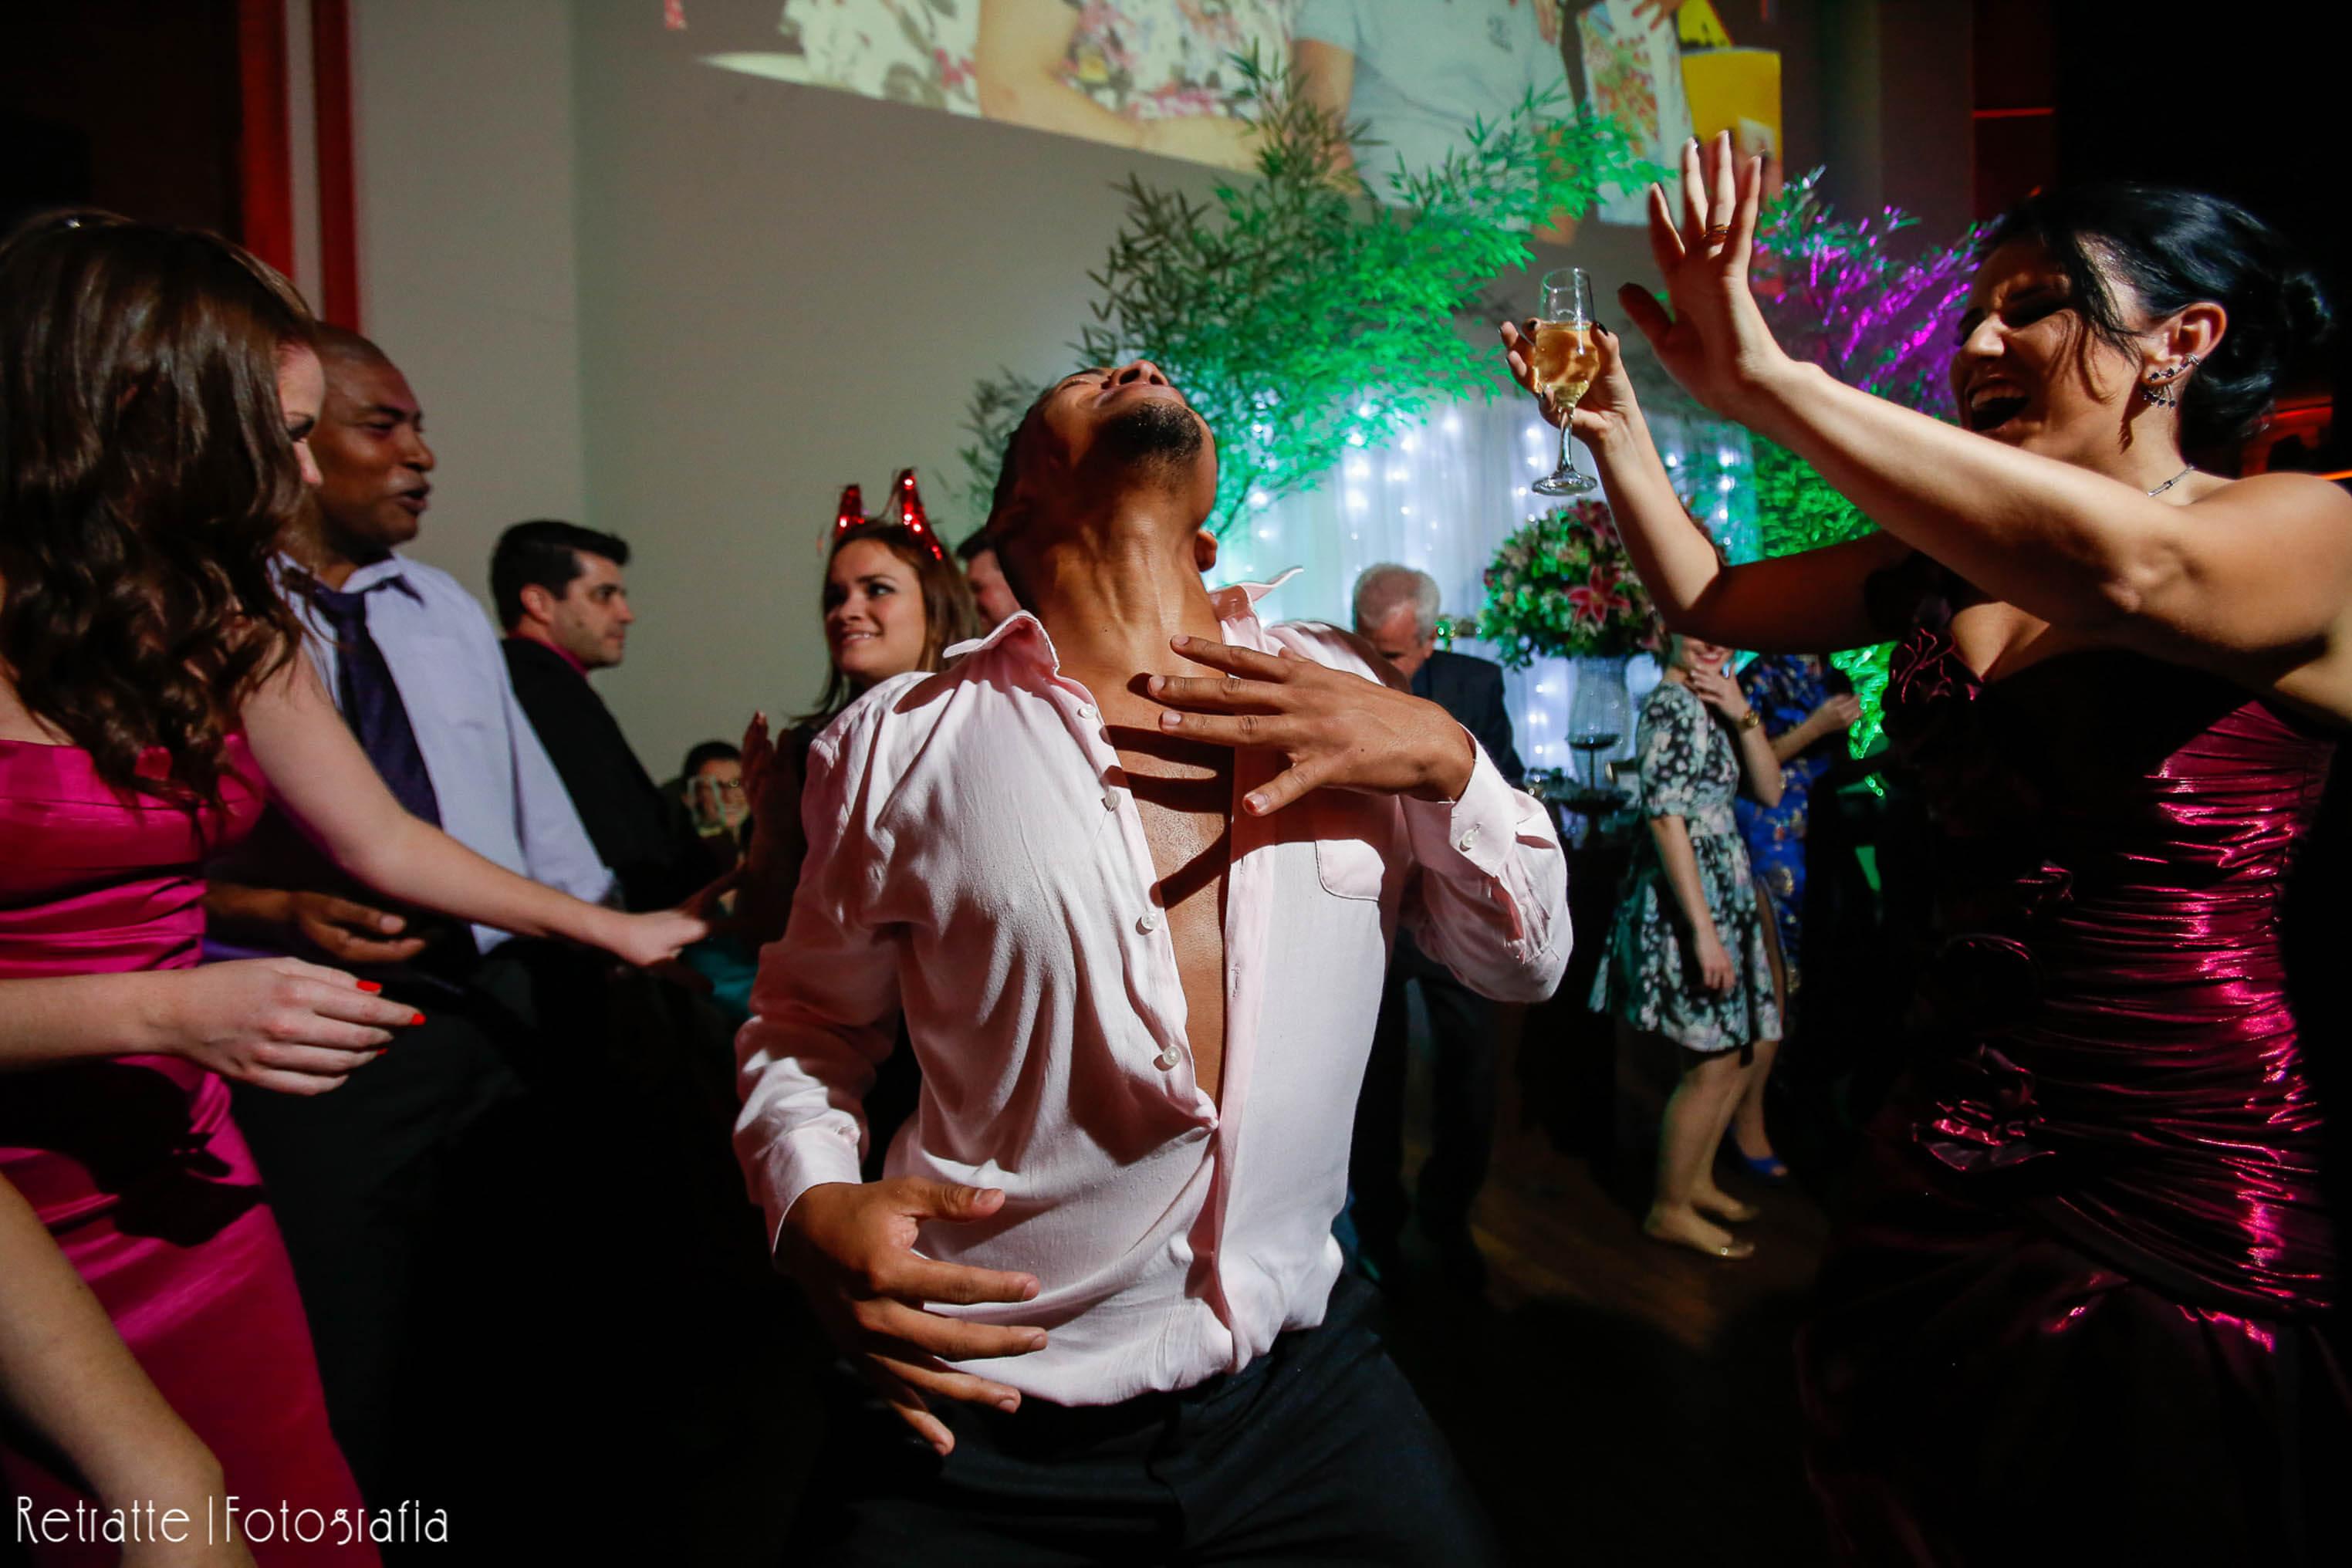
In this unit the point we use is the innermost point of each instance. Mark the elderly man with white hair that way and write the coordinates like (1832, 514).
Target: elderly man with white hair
(1396, 612)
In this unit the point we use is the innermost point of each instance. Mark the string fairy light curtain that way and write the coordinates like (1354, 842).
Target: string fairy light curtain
(1440, 497)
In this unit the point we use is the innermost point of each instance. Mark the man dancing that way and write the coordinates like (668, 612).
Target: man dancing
(1136, 917)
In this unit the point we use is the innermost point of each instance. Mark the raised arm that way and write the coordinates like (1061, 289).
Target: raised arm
(318, 770)
(69, 1383)
(771, 860)
(1790, 603)
(2253, 579)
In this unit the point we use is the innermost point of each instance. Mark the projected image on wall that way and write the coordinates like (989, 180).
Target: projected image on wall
(1159, 75)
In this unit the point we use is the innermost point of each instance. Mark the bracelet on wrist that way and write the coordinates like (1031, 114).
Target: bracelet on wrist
(1751, 720)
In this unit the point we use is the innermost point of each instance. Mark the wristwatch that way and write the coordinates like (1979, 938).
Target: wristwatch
(1751, 720)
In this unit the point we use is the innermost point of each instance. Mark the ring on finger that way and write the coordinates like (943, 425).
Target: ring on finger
(1718, 233)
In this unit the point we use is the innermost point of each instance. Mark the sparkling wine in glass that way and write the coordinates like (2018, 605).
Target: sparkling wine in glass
(1567, 358)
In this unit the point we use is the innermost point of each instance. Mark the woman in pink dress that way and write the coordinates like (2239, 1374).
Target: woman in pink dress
(156, 387)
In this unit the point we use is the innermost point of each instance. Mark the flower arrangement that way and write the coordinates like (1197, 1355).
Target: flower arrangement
(1562, 587)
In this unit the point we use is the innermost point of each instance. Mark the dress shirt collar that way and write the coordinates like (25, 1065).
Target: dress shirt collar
(564, 654)
(298, 579)
(1236, 604)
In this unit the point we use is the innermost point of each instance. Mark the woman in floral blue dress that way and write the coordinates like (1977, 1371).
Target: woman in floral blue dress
(1688, 957)
(1807, 723)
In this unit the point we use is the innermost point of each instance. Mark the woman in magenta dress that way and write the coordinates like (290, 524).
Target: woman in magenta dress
(155, 388)
(2081, 1307)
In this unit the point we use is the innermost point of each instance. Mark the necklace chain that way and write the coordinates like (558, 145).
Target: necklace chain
(2173, 481)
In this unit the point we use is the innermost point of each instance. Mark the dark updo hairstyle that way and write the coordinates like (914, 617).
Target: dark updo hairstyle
(2174, 248)
(146, 477)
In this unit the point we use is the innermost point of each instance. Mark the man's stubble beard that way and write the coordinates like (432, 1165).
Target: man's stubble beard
(1158, 436)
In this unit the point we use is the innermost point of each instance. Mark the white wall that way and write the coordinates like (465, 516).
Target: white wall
(687, 306)
(462, 113)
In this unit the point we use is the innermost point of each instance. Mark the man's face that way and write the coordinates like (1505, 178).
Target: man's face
(1400, 641)
(591, 622)
(1106, 429)
(990, 590)
(372, 459)
(715, 795)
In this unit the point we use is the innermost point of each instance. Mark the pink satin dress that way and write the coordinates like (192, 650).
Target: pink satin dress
(133, 1161)
(2082, 1307)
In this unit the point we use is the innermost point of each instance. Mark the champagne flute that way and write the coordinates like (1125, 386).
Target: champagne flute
(1567, 358)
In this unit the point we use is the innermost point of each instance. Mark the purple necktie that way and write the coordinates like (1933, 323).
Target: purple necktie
(372, 704)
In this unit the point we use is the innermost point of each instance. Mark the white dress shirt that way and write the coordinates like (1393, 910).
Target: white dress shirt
(499, 795)
(976, 860)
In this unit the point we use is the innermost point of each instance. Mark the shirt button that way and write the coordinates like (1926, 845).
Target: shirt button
(1148, 921)
(1168, 1059)
(1467, 841)
(1110, 800)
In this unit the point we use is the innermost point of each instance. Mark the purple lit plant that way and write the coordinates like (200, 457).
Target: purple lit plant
(1874, 316)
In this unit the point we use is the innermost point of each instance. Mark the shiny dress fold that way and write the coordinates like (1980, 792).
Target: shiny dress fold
(2083, 1299)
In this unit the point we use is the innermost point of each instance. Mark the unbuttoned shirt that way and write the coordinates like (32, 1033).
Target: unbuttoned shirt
(499, 795)
(976, 860)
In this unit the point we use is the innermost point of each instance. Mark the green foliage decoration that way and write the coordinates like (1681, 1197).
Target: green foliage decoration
(1300, 316)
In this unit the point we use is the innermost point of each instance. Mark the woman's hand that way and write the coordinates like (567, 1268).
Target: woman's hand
(651, 939)
(278, 1023)
(759, 749)
(1607, 414)
(1840, 713)
(1715, 343)
(1715, 970)
(1720, 692)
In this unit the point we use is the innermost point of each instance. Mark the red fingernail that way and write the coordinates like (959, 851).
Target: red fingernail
(418, 1019)
(371, 987)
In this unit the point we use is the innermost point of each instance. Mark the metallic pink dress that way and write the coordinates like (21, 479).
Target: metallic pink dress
(2082, 1306)
(133, 1163)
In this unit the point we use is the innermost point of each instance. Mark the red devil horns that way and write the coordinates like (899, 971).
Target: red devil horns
(906, 509)
(852, 509)
(908, 504)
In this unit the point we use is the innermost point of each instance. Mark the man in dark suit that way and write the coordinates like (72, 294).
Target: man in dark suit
(564, 602)
(1396, 612)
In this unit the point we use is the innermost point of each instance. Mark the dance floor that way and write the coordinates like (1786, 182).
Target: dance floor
(1615, 1401)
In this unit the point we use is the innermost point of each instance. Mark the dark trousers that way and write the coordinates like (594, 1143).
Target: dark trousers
(1316, 1452)
(1462, 1132)
(364, 1180)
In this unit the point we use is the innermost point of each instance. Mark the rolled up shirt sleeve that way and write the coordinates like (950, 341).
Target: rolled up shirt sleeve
(1491, 902)
(824, 1012)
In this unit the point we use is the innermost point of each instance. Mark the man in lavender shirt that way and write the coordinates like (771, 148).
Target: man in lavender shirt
(1128, 868)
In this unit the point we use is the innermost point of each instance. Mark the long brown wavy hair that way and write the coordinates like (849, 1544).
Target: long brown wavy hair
(949, 616)
(146, 478)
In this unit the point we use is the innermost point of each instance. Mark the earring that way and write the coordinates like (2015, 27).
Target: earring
(2157, 389)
